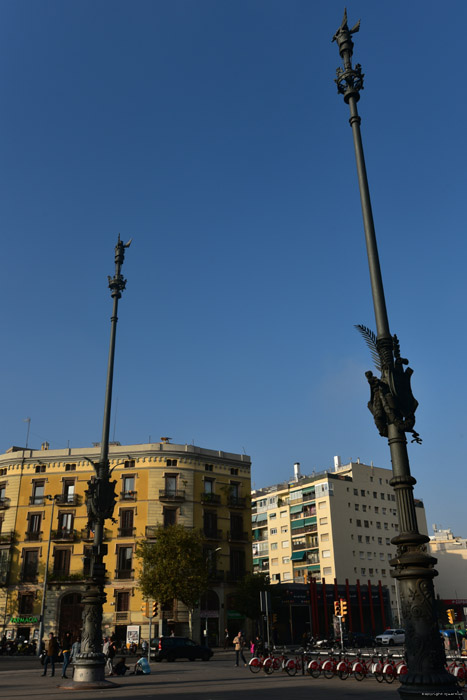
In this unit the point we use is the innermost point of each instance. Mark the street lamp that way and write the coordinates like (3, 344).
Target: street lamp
(46, 576)
(393, 407)
(100, 501)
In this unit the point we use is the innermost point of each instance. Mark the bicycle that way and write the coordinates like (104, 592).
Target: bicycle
(393, 669)
(315, 666)
(458, 670)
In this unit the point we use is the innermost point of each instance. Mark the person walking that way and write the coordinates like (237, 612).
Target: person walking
(66, 649)
(238, 646)
(52, 653)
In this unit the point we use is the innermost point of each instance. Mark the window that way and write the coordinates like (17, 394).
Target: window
(122, 601)
(210, 523)
(375, 495)
(169, 516)
(275, 561)
(40, 469)
(359, 523)
(325, 537)
(368, 555)
(25, 603)
(357, 507)
(376, 509)
(323, 521)
(285, 544)
(62, 562)
(171, 484)
(360, 538)
(129, 464)
(384, 511)
(38, 488)
(370, 572)
(287, 576)
(171, 462)
(208, 485)
(273, 545)
(388, 541)
(70, 467)
(234, 471)
(364, 508)
(366, 523)
(386, 526)
(355, 492)
(325, 553)
(65, 523)
(128, 487)
(382, 496)
(378, 525)
(272, 516)
(327, 571)
(208, 467)
(285, 560)
(363, 571)
(367, 539)
(362, 492)
(273, 531)
(34, 527)
(237, 563)
(381, 555)
(362, 555)
(68, 490)
(276, 577)
(126, 522)
(383, 572)
(124, 562)
(283, 513)
(236, 525)
(321, 505)
(3, 471)
(380, 540)
(284, 529)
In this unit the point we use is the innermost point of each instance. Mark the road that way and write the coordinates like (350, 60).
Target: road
(218, 679)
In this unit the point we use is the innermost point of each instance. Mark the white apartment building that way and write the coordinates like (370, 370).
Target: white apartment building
(335, 525)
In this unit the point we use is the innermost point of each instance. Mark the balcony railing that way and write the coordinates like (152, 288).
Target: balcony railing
(128, 495)
(303, 530)
(171, 495)
(7, 537)
(236, 536)
(88, 535)
(64, 535)
(33, 536)
(126, 531)
(212, 533)
(64, 575)
(65, 499)
(122, 616)
(236, 501)
(151, 531)
(212, 499)
(4, 503)
(124, 574)
(36, 500)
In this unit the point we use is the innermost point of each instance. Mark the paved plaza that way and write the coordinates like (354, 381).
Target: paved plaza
(217, 679)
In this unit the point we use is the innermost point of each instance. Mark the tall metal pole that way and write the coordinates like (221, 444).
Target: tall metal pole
(100, 501)
(46, 578)
(393, 407)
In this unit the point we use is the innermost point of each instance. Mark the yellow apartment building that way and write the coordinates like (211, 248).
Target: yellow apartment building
(335, 525)
(43, 527)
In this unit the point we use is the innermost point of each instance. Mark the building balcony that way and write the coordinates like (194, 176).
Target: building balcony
(64, 535)
(64, 576)
(128, 495)
(212, 534)
(236, 536)
(67, 500)
(124, 574)
(171, 495)
(7, 537)
(87, 535)
(236, 501)
(37, 500)
(33, 536)
(126, 531)
(151, 531)
(303, 530)
(29, 575)
(212, 499)
(4, 503)
(122, 617)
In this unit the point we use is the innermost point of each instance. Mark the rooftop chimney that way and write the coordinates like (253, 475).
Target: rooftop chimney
(337, 463)
(296, 471)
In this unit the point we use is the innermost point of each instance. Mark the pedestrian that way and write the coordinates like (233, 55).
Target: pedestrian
(111, 652)
(120, 669)
(66, 648)
(52, 653)
(75, 650)
(144, 647)
(141, 667)
(226, 638)
(238, 646)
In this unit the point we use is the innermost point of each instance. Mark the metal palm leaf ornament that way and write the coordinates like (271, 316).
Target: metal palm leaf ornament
(392, 400)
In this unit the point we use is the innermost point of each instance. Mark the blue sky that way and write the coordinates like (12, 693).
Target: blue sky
(211, 132)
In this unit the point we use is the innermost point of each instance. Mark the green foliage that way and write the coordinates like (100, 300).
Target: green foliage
(247, 594)
(173, 566)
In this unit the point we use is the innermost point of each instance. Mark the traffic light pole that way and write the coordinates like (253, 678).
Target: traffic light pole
(393, 407)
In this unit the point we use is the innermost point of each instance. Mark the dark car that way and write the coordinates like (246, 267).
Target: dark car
(171, 648)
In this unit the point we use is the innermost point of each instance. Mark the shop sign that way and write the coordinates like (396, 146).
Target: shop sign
(25, 620)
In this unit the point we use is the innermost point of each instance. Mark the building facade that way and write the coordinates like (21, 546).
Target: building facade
(43, 527)
(334, 526)
(451, 582)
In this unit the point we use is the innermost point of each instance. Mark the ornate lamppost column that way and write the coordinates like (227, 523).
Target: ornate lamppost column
(393, 407)
(100, 501)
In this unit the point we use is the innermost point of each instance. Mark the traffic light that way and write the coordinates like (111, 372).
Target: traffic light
(154, 609)
(337, 607)
(451, 615)
(145, 608)
(343, 608)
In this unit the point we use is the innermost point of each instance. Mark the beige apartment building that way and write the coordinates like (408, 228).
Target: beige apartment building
(451, 553)
(44, 530)
(335, 525)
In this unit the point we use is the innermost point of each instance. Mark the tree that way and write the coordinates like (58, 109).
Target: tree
(173, 566)
(247, 599)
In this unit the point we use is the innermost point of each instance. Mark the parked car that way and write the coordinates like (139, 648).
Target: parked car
(171, 648)
(361, 640)
(391, 637)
